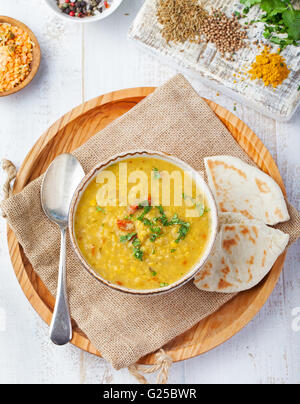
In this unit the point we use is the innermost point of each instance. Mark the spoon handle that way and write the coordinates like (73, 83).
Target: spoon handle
(61, 328)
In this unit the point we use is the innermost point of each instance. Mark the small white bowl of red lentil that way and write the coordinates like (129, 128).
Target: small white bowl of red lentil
(84, 11)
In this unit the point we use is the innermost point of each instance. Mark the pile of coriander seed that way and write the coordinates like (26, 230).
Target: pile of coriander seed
(225, 32)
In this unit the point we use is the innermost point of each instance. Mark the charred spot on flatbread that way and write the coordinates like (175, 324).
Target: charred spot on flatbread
(244, 253)
(242, 188)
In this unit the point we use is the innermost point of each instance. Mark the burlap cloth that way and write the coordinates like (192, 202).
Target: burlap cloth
(125, 328)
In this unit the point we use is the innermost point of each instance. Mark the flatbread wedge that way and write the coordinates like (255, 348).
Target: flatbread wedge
(244, 253)
(241, 188)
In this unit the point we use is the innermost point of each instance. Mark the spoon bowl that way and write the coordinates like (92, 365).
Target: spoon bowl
(59, 184)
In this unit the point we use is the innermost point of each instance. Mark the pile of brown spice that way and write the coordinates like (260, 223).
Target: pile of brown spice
(186, 20)
(181, 20)
(225, 32)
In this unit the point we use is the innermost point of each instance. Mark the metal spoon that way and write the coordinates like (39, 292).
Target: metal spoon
(59, 184)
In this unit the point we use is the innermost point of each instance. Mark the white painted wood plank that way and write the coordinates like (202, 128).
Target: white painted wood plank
(288, 151)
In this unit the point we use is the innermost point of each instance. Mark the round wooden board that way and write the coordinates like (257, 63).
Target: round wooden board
(36, 55)
(74, 129)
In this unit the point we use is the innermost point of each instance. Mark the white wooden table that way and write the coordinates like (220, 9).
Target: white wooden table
(80, 62)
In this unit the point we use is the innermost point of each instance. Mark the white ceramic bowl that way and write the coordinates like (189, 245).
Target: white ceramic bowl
(146, 154)
(52, 4)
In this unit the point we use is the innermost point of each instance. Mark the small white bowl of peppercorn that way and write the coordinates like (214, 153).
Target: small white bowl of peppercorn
(84, 11)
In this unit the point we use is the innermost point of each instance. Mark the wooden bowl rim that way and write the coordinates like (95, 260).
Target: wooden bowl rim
(36, 55)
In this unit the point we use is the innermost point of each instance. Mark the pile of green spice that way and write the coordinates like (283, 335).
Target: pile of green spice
(186, 20)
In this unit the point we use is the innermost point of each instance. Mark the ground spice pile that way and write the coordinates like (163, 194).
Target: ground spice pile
(270, 67)
(16, 50)
(181, 20)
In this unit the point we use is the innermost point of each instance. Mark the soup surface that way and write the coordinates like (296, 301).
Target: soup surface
(150, 242)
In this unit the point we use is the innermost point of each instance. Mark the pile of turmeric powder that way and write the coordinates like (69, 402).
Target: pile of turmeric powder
(270, 67)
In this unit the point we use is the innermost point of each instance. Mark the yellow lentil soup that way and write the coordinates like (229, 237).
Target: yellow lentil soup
(146, 244)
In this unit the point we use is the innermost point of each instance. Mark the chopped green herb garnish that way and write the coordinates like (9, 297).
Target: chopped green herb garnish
(99, 209)
(161, 210)
(163, 284)
(153, 273)
(146, 222)
(162, 218)
(199, 206)
(155, 229)
(173, 250)
(201, 209)
(138, 253)
(153, 237)
(175, 220)
(129, 217)
(183, 231)
(146, 210)
(127, 237)
(136, 242)
(156, 174)
(184, 226)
